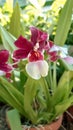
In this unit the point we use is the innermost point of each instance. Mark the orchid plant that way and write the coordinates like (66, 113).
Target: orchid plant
(36, 74)
(28, 77)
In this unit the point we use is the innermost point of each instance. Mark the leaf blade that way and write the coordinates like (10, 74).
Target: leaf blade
(64, 23)
(14, 119)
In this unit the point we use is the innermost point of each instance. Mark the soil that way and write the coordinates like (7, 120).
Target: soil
(3, 123)
(66, 124)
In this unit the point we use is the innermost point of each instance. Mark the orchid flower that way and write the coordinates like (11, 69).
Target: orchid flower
(33, 51)
(37, 42)
(61, 51)
(4, 67)
(52, 54)
(57, 52)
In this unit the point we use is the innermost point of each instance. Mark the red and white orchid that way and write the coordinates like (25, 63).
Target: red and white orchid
(4, 66)
(56, 52)
(52, 54)
(32, 50)
(37, 42)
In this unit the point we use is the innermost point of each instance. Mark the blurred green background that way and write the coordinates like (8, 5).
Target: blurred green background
(18, 15)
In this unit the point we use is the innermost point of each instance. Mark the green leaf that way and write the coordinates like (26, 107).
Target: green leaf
(22, 3)
(45, 88)
(13, 119)
(48, 3)
(62, 98)
(23, 79)
(64, 23)
(37, 91)
(7, 39)
(29, 94)
(62, 91)
(16, 28)
(66, 65)
(11, 95)
(63, 106)
(66, 77)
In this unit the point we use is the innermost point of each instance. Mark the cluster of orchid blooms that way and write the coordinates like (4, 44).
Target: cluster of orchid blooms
(34, 52)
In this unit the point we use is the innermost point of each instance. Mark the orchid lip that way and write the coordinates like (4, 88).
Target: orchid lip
(37, 69)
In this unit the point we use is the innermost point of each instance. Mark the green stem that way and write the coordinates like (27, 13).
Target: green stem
(50, 76)
(54, 76)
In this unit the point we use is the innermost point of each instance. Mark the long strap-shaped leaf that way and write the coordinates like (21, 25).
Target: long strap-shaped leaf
(32, 88)
(7, 39)
(15, 24)
(63, 89)
(14, 120)
(64, 23)
(29, 94)
(11, 95)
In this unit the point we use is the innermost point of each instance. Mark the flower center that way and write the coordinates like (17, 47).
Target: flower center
(36, 46)
(35, 56)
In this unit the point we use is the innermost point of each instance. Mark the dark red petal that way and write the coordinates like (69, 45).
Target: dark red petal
(37, 35)
(4, 55)
(23, 43)
(8, 75)
(54, 58)
(42, 36)
(15, 62)
(35, 56)
(20, 54)
(51, 44)
(34, 35)
(5, 67)
(42, 45)
(54, 53)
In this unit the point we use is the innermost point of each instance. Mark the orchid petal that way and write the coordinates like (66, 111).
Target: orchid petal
(20, 54)
(33, 70)
(38, 36)
(58, 48)
(63, 51)
(43, 68)
(5, 67)
(54, 58)
(37, 69)
(4, 55)
(42, 36)
(34, 34)
(23, 43)
(69, 59)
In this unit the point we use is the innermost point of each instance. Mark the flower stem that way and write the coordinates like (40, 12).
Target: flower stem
(50, 76)
(54, 76)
